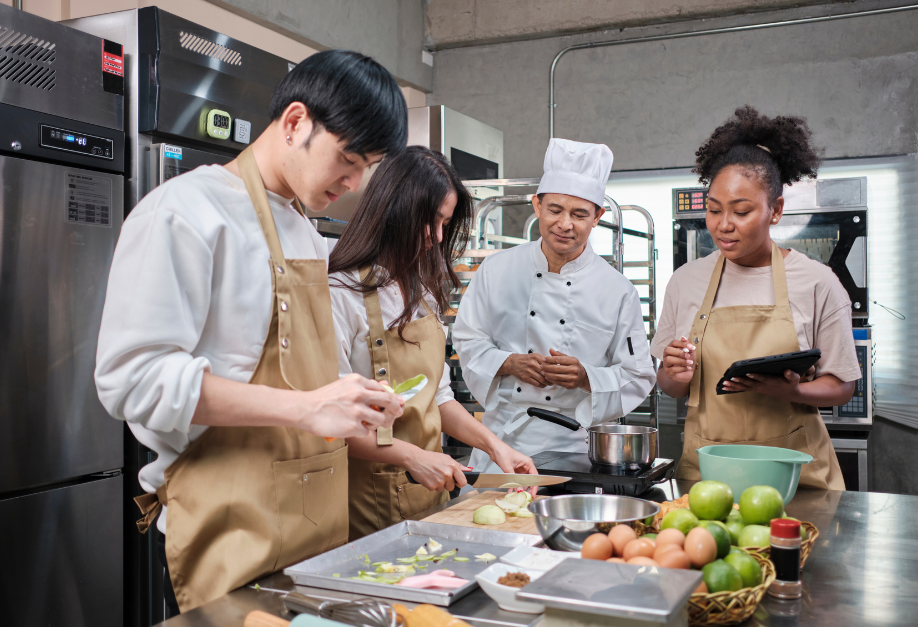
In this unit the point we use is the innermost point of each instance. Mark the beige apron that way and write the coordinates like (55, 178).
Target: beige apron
(380, 494)
(728, 334)
(247, 501)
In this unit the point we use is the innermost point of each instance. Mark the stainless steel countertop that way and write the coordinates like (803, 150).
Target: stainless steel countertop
(863, 571)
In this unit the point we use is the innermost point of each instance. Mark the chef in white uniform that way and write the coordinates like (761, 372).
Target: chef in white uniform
(551, 324)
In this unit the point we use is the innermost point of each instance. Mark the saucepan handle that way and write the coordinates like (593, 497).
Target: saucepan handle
(554, 417)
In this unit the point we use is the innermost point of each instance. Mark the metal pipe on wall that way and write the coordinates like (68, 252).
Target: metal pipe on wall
(17, 4)
(710, 31)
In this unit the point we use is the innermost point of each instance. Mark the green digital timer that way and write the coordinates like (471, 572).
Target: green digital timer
(218, 124)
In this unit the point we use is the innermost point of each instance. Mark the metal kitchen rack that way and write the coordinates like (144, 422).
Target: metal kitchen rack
(491, 195)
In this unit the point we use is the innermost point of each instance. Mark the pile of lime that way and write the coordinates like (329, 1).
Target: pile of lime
(711, 508)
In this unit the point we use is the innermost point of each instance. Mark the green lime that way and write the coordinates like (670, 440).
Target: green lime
(710, 500)
(720, 576)
(735, 515)
(721, 535)
(736, 549)
(734, 527)
(682, 519)
(650, 536)
(649, 521)
(747, 567)
(755, 535)
(760, 504)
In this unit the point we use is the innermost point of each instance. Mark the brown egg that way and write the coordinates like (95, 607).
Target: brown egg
(700, 547)
(616, 560)
(643, 547)
(620, 535)
(673, 559)
(671, 536)
(597, 547)
(664, 548)
(640, 560)
(701, 589)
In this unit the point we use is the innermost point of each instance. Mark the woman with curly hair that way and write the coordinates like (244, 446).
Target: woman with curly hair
(751, 299)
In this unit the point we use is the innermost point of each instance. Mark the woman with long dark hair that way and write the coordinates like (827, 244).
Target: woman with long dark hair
(391, 275)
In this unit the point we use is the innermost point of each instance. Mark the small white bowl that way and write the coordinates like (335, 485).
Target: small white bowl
(533, 558)
(505, 596)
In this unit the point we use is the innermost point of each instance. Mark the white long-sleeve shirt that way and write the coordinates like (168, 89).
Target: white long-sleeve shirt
(352, 327)
(588, 311)
(189, 292)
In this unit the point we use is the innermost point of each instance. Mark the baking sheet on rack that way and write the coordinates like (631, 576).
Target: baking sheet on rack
(402, 540)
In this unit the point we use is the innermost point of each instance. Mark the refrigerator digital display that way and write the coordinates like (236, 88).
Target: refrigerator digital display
(70, 141)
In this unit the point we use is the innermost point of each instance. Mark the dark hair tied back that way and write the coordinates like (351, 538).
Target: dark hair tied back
(779, 150)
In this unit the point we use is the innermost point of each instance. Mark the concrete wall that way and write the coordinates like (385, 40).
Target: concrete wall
(391, 31)
(654, 103)
(456, 23)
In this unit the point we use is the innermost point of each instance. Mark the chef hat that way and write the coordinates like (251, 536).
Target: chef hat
(576, 169)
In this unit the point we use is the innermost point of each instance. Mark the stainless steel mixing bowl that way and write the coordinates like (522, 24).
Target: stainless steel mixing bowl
(565, 521)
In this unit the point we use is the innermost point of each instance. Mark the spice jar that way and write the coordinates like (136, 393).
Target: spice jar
(785, 555)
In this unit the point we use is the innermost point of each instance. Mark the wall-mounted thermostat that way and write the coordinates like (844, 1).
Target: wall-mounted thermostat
(218, 124)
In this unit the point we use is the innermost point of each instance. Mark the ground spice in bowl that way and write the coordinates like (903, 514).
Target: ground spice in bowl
(514, 580)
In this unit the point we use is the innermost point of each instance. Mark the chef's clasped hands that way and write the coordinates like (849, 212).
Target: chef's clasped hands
(541, 371)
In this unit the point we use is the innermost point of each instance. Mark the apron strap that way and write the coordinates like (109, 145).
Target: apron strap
(254, 185)
(696, 336)
(379, 351)
(779, 276)
(427, 307)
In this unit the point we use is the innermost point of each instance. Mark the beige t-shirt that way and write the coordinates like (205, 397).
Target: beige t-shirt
(819, 304)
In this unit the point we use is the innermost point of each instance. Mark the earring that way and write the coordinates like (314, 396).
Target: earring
(775, 221)
(289, 141)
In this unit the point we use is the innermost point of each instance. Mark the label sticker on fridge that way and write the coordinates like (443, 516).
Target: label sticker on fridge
(89, 199)
(173, 152)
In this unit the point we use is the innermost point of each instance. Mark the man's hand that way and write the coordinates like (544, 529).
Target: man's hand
(436, 471)
(512, 461)
(566, 371)
(526, 368)
(346, 408)
(679, 361)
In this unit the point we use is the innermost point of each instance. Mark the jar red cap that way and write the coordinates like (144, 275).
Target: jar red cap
(785, 528)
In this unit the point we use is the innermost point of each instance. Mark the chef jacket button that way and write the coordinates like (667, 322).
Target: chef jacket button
(280, 270)
(283, 306)
(379, 342)
(382, 371)
(547, 398)
(539, 275)
(562, 321)
(530, 350)
(531, 313)
(519, 389)
(568, 283)
(284, 342)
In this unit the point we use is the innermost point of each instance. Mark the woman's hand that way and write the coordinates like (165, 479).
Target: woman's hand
(786, 388)
(350, 407)
(679, 361)
(436, 471)
(512, 461)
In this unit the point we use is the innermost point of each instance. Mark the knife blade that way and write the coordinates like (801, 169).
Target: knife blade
(501, 480)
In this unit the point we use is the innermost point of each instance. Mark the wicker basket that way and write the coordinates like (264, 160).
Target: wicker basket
(731, 608)
(811, 534)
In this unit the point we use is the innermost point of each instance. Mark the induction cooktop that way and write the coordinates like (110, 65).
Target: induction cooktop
(589, 478)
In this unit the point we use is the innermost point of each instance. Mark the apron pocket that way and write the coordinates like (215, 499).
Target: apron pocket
(311, 498)
(414, 499)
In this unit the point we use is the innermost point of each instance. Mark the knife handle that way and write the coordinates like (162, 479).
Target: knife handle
(470, 477)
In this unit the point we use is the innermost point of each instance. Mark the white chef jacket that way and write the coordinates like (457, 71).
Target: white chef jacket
(352, 328)
(189, 292)
(588, 311)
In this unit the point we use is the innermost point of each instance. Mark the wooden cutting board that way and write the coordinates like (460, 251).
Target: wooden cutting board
(460, 515)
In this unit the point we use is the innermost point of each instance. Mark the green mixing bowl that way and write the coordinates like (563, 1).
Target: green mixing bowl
(742, 465)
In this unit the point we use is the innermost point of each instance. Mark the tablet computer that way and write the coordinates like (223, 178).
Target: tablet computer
(799, 362)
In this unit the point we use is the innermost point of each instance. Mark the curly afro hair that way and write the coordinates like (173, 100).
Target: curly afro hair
(788, 155)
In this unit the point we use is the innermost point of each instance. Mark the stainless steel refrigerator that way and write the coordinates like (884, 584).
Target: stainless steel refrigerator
(61, 209)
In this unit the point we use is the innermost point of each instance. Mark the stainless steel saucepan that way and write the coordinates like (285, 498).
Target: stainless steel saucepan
(630, 446)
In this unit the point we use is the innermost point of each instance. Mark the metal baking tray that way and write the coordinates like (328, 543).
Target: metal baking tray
(402, 540)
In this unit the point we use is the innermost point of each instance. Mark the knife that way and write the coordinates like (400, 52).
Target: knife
(500, 480)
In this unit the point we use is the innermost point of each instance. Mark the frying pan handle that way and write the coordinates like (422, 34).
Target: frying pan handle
(669, 475)
(553, 417)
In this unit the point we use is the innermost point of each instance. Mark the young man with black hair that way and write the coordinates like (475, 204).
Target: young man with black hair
(217, 341)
